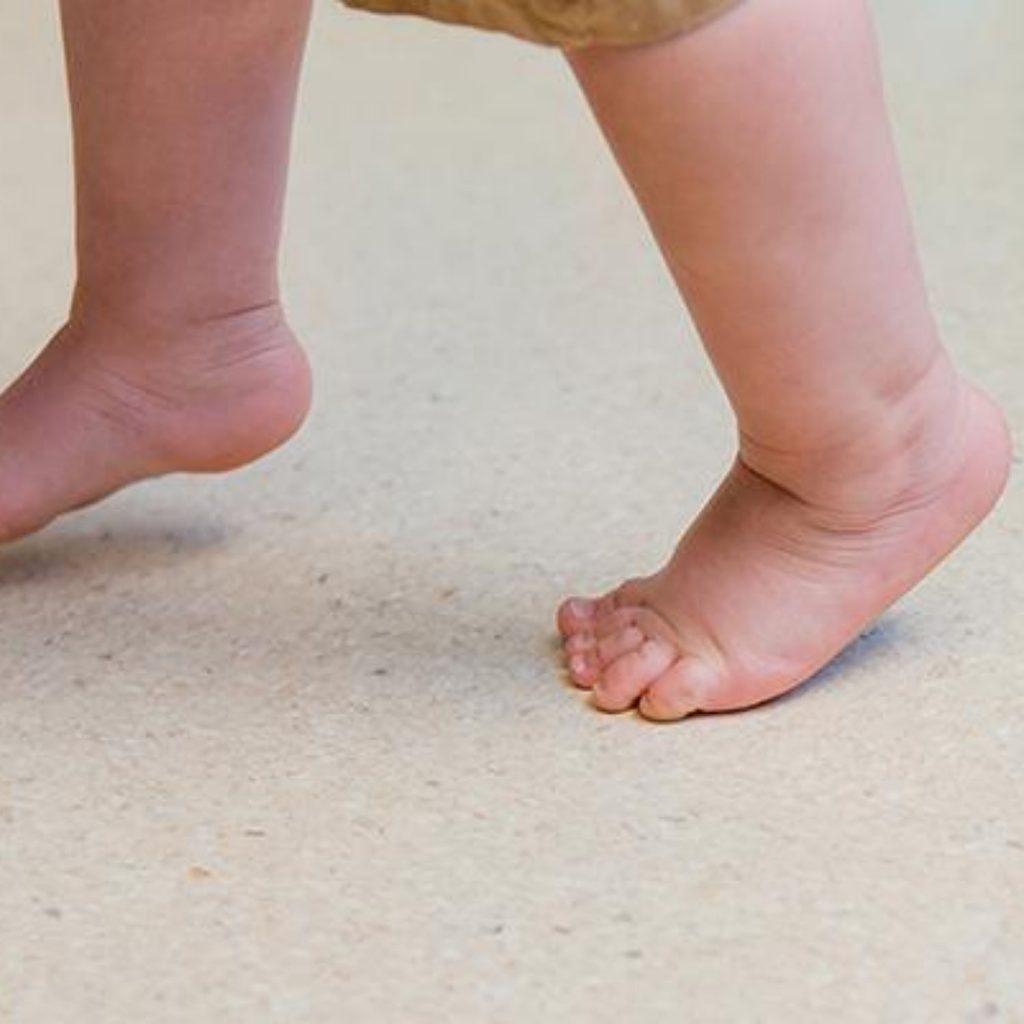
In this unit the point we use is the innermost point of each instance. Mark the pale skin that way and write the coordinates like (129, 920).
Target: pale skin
(759, 150)
(176, 355)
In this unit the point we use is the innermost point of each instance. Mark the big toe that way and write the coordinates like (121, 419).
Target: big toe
(686, 686)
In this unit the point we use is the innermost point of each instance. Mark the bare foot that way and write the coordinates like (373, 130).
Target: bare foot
(785, 565)
(105, 405)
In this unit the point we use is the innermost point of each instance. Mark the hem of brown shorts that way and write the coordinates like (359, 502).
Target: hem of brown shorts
(503, 16)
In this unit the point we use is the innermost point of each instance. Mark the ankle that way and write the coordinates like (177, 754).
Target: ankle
(201, 395)
(192, 338)
(913, 440)
(141, 306)
(233, 354)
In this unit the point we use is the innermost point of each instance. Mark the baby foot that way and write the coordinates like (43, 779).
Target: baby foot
(768, 584)
(105, 405)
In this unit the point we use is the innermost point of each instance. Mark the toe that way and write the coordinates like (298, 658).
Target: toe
(578, 643)
(649, 622)
(685, 687)
(613, 646)
(626, 678)
(614, 621)
(580, 613)
(576, 614)
(584, 669)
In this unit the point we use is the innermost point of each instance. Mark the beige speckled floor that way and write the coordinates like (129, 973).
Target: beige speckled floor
(292, 746)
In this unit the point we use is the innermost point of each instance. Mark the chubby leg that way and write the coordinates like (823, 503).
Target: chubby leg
(176, 355)
(760, 151)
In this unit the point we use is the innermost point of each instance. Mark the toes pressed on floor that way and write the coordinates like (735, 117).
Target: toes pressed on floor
(622, 657)
(625, 679)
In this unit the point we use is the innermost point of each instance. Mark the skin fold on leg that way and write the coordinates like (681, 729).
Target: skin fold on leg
(176, 354)
(760, 151)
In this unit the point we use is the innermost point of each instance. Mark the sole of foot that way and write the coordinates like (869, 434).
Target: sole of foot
(107, 404)
(765, 588)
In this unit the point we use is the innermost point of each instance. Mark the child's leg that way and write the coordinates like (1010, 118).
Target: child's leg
(176, 355)
(759, 149)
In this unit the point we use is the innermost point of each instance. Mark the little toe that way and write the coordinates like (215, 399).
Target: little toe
(626, 678)
(576, 614)
(685, 687)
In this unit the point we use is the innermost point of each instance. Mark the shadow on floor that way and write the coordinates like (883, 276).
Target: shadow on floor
(377, 613)
(61, 555)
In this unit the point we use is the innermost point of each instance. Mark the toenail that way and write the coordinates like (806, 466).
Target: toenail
(577, 664)
(581, 608)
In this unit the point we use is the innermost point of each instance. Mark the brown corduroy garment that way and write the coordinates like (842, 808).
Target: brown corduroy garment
(563, 23)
